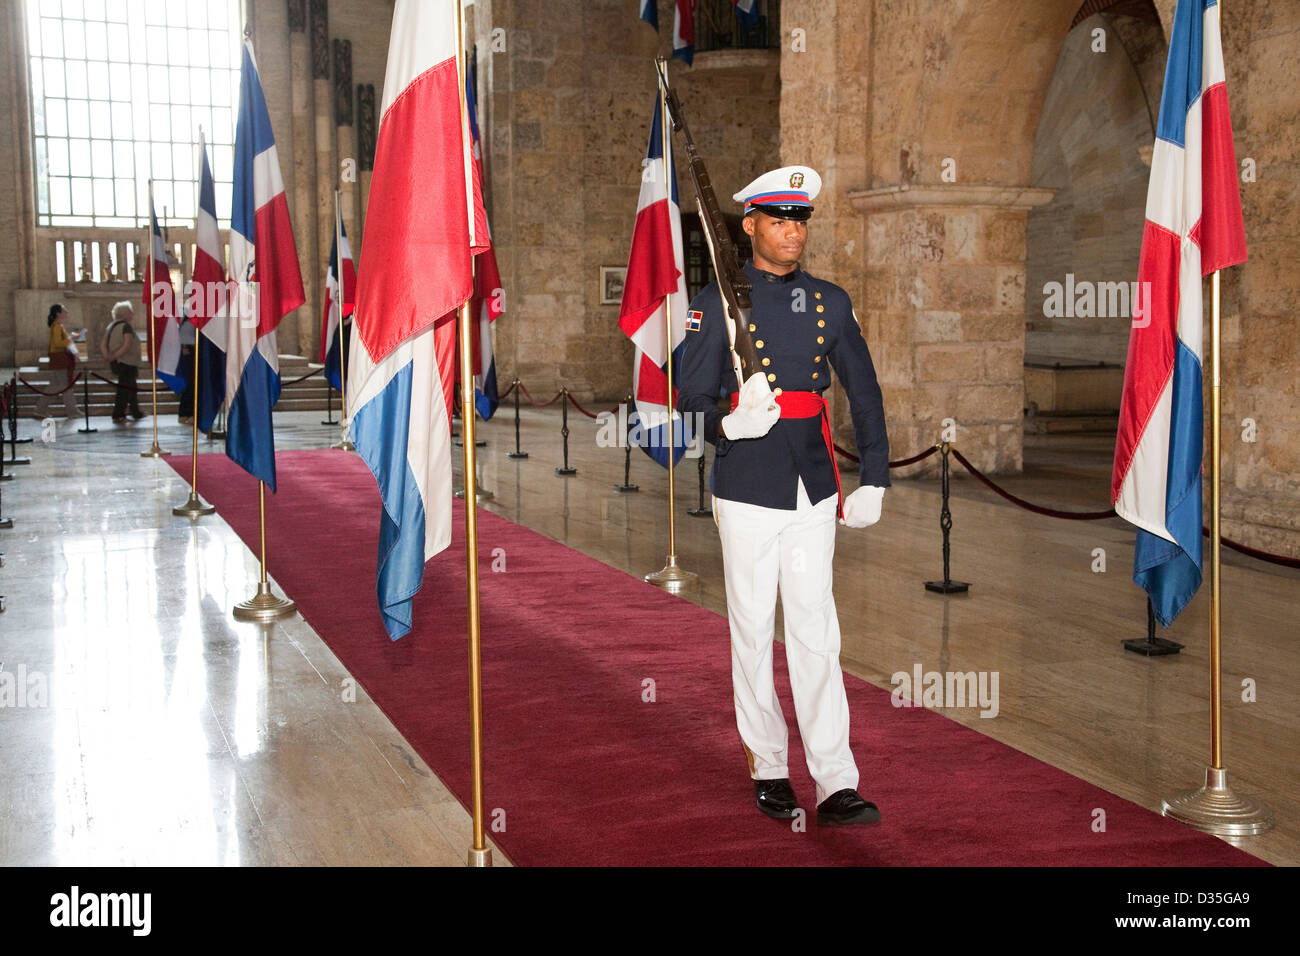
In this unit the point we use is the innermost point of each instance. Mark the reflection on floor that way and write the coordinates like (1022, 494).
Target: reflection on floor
(145, 726)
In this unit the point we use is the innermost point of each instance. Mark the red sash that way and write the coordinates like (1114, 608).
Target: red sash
(808, 405)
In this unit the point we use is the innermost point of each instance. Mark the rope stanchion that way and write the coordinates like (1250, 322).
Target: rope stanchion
(5, 404)
(86, 429)
(1029, 506)
(11, 415)
(109, 381)
(57, 392)
(564, 434)
(535, 403)
(612, 411)
(12, 386)
(1152, 646)
(515, 387)
(329, 407)
(703, 510)
(302, 378)
(900, 463)
(947, 585)
(627, 487)
(1254, 552)
(506, 394)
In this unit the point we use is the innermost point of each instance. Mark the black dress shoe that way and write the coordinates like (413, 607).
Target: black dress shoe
(776, 798)
(845, 808)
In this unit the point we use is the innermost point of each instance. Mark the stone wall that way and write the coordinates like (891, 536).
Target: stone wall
(1097, 124)
(1261, 331)
(570, 101)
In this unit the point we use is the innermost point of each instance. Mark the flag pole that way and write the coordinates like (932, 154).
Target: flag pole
(480, 854)
(195, 507)
(1214, 808)
(263, 606)
(154, 451)
(343, 443)
(671, 577)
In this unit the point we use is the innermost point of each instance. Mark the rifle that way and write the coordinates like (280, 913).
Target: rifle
(732, 282)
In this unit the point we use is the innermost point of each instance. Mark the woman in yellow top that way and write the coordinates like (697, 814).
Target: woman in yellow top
(63, 362)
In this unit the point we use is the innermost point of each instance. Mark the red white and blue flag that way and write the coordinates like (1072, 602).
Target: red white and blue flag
(746, 11)
(207, 314)
(488, 302)
(416, 270)
(683, 24)
(339, 300)
(164, 328)
(656, 276)
(1194, 227)
(684, 31)
(264, 264)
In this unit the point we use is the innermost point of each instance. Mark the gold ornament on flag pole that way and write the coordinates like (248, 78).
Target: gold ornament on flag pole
(154, 451)
(343, 443)
(263, 606)
(672, 578)
(480, 854)
(1214, 808)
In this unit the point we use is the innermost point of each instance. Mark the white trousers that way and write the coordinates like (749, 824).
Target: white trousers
(763, 548)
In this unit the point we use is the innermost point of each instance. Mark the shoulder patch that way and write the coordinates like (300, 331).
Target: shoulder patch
(693, 317)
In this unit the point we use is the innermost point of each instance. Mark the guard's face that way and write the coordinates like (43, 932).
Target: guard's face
(777, 242)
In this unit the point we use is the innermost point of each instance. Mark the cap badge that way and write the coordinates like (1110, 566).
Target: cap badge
(796, 180)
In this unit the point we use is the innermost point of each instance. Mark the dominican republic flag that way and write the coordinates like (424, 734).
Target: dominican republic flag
(415, 272)
(338, 303)
(746, 11)
(656, 275)
(164, 328)
(264, 264)
(207, 315)
(489, 298)
(650, 12)
(1194, 226)
(684, 31)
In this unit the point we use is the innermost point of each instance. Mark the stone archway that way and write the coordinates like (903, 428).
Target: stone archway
(926, 120)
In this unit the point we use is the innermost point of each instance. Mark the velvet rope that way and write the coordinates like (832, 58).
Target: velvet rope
(41, 391)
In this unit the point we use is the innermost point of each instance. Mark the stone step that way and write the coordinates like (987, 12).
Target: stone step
(1074, 423)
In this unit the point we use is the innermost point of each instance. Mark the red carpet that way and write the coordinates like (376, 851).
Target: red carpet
(587, 772)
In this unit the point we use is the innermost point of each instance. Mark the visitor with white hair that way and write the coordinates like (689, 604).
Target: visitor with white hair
(121, 346)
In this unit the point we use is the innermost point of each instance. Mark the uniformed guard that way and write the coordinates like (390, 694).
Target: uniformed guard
(777, 492)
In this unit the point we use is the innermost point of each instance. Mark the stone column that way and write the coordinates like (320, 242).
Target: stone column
(366, 137)
(347, 138)
(326, 170)
(944, 309)
(304, 162)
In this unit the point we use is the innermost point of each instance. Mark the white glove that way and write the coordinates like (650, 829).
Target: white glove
(862, 508)
(756, 411)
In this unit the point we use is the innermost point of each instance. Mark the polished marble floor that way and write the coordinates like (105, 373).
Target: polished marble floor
(145, 726)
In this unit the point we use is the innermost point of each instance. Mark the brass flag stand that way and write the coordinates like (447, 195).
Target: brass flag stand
(154, 451)
(1214, 808)
(263, 606)
(343, 443)
(480, 854)
(671, 577)
(194, 507)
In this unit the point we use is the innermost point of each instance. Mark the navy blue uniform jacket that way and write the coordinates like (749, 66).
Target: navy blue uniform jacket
(801, 325)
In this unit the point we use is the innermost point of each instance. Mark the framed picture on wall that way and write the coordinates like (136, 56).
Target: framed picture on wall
(611, 284)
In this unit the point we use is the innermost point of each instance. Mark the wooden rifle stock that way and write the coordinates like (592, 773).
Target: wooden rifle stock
(732, 282)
